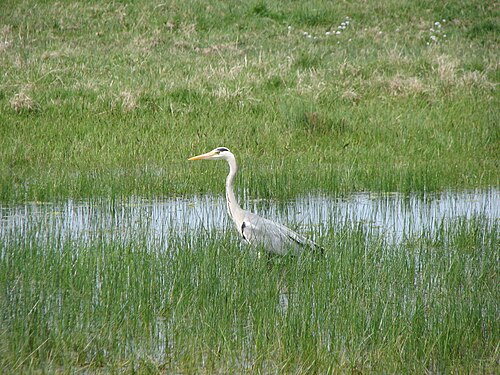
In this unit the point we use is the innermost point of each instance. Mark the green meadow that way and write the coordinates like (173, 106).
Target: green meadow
(110, 98)
(107, 100)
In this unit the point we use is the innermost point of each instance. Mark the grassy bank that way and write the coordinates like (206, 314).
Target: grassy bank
(201, 304)
(111, 98)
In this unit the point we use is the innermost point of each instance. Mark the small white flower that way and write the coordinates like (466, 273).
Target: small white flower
(289, 27)
(337, 32)
(427, 43)
(431, 30)
(347, 22)
(433, 37)
(305, 33)
(342, 24)
(309, 36)
(343, 27)
(339, 27)
(436, 23)
(328, 33)
(443, 20)
(347, 17)
(350, 39)
(444, 36)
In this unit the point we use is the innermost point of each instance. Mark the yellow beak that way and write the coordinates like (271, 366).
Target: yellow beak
(202, 156)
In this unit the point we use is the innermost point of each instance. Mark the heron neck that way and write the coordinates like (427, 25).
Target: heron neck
(232, 204)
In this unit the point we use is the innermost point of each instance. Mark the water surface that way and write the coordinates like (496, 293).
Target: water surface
(393, 215)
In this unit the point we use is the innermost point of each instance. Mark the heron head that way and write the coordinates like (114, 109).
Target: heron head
(215, 154)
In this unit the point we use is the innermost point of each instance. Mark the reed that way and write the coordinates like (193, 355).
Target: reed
(203, 304)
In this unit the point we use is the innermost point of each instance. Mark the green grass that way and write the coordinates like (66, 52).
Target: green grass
(111, 98)
(429, 304)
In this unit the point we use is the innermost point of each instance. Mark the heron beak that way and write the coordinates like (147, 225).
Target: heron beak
(202, 156)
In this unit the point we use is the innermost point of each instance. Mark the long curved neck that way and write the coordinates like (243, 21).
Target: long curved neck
(233, 207)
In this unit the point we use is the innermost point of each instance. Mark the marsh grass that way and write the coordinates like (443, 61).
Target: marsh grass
(110, 99)
(203, 304)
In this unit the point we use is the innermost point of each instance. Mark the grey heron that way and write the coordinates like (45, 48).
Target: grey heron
(254, 229)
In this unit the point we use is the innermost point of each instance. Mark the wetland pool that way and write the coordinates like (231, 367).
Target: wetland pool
(395, 216)
(64, 285)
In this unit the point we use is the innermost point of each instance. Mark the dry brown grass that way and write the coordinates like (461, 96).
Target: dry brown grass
(477, 79)
(127, 100)
(446, 69)
(21, 101)
(405, 86)
(351, 95)
(6, 38)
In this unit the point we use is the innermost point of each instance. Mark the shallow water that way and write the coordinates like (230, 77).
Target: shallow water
(394, 215)
(154, 222)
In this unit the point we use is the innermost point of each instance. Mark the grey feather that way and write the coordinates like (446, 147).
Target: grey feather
(274, 237)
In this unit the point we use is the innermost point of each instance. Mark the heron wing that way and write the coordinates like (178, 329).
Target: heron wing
(274, 237)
